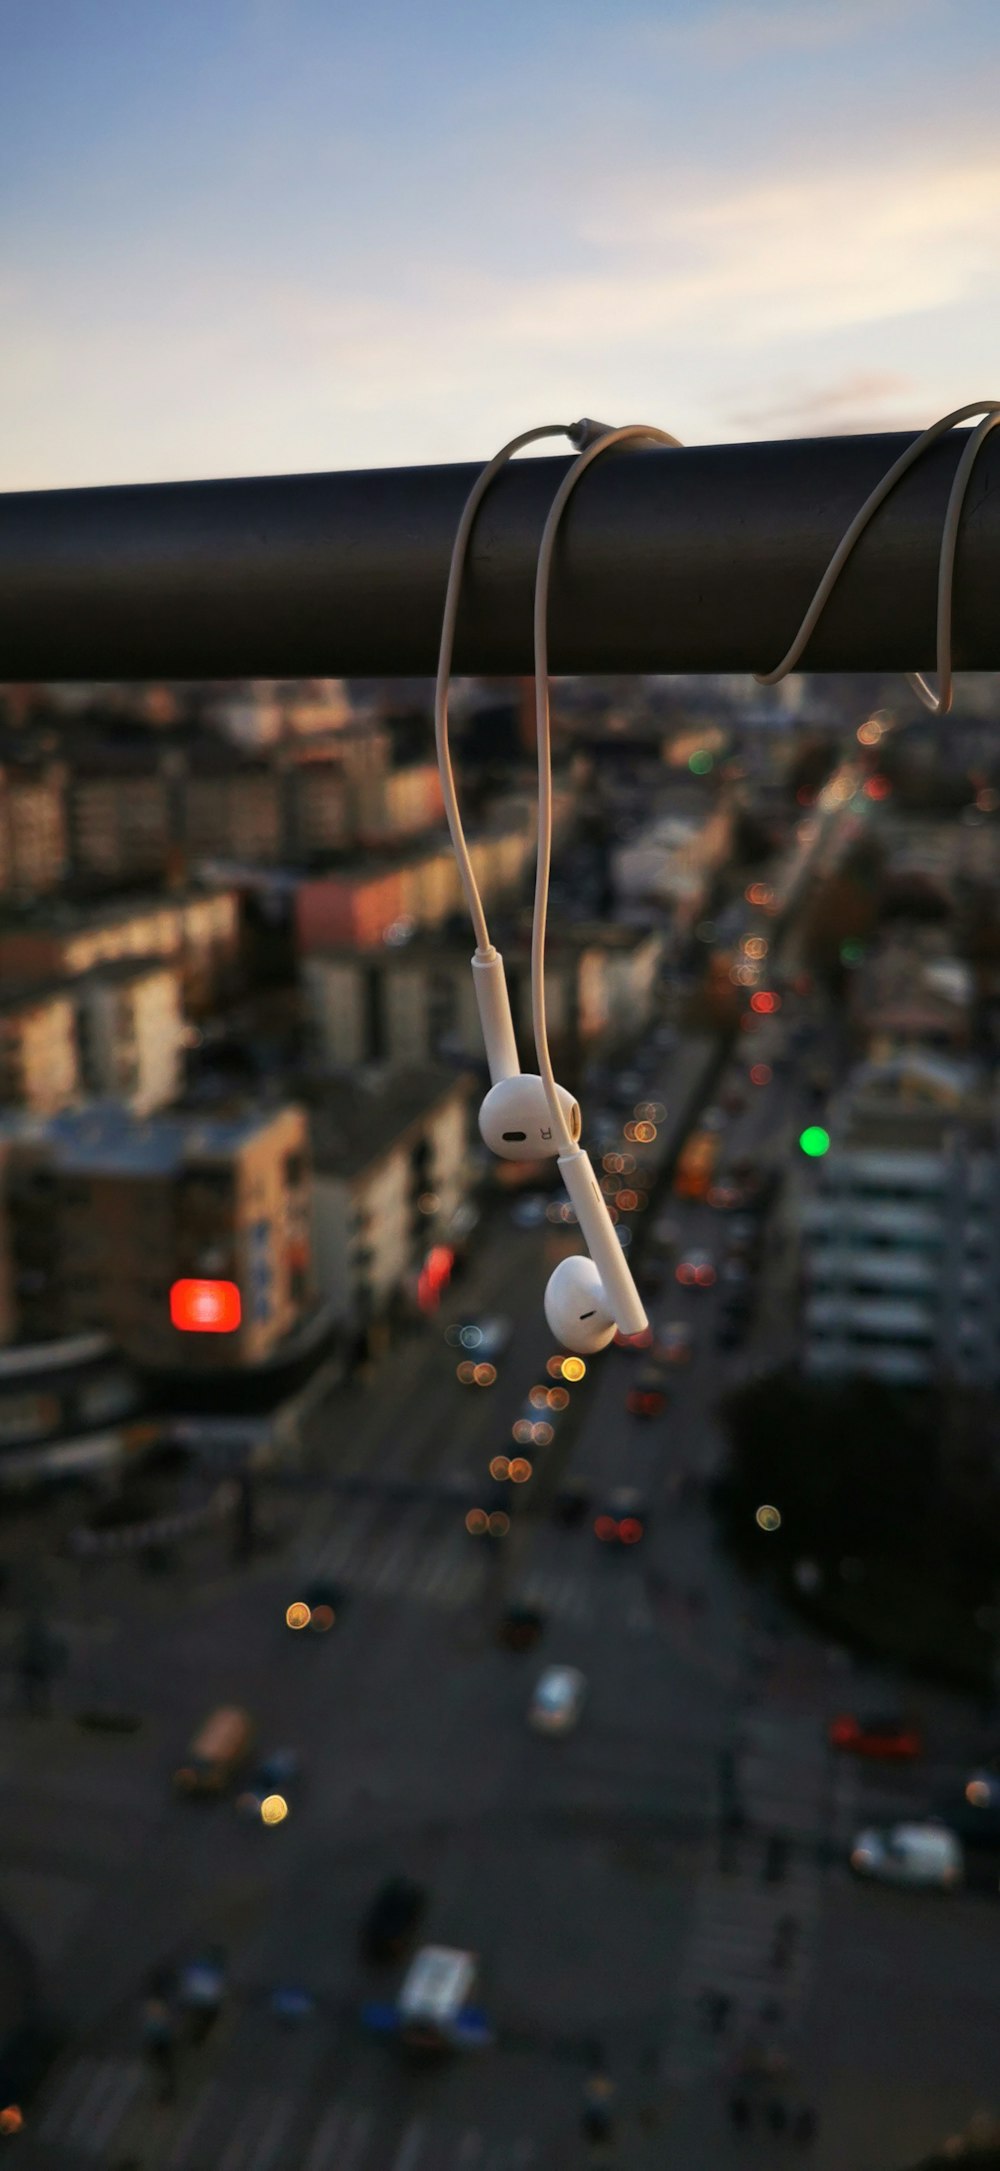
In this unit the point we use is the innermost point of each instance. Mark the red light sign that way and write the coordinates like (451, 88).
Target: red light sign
(205, 1307)
(434, 1276)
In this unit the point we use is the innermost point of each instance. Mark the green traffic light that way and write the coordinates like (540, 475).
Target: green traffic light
(815, 1141)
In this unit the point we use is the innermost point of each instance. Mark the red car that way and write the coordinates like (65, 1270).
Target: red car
(895, 1739)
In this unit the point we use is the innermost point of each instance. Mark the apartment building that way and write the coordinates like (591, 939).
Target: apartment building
(39, 1055)
(415, 1003)
(187, 1241)
(232, 806)
(359, 904)
(33, 827)
(198, 927)
(131, 1032)
(900, 1238)
(121, 815)
(391, 1173)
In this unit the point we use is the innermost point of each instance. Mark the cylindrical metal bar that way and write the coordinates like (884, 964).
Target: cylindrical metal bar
(696, 560)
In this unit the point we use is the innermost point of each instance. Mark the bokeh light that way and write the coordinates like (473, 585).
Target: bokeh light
(539, 1398)
(645, 1133)
(298, 1614)
(558, 1398)
(498, 1524)
(500, 1467)
(768, 1518)
(520, 1470)
(466, 1372)
(814, 1141)
(522, 1431)
(573, 1369)
(477, 1522)
(485, 1375)
(542, 1435)
(273, 1809)
(761, 1074)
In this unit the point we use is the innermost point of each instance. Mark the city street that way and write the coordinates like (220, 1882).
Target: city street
(601, 1878)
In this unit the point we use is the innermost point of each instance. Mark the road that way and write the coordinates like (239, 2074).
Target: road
(593, 1875)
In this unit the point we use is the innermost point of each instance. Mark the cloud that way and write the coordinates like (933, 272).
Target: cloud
(856, 402)
(739, 34)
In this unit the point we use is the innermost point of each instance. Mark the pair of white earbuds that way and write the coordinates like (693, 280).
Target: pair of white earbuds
(528, 1117)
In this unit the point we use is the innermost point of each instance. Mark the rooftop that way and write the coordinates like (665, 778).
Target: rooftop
(103, 1138)
(357, 1118)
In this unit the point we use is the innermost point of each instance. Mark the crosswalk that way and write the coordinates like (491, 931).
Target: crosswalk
(442, 1567)
(105, 2104)
(752, 1941)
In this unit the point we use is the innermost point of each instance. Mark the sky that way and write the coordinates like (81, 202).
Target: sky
(266, 236)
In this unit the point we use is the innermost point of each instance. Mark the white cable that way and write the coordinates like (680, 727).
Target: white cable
(484, 947)
(939, 703)
(630, 432)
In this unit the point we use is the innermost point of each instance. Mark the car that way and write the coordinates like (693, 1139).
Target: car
(482, 1339)
(434, 1998)
(268, 1792)
(909, 1854)
(623, 1519)
(571, 1505)
(647, 1396)
(882, 1735)
(392, 1918)
(724, 1197)
(520, 1627)
(973, 1813)
(557, 1700)
(675, 1341)
(696, 1270)
(529, 1212)
(318, 1608)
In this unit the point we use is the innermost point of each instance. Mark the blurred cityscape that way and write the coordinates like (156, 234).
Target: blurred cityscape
(421, 1750)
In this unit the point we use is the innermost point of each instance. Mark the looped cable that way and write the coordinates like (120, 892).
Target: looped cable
(628, 434)
(939, 703)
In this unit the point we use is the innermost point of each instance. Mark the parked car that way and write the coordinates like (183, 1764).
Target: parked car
(557, 1700)
(647, 1396)
(218, 1751)
(881, 1735)
(675, 1341)
(624, 1518)
(268, 1793)
(909, 1854)
(520, 1627)
(317, 1610)
(392, 1918)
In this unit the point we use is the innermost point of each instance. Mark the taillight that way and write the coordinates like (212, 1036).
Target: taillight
(630, 1530)
(605, 1528)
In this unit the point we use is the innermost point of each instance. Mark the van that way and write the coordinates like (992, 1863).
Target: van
(220, 1748)
(435, 1992)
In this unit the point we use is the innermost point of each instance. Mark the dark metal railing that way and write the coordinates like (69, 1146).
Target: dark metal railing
(696, 560)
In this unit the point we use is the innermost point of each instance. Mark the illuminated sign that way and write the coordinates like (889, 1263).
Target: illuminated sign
(205, 1307)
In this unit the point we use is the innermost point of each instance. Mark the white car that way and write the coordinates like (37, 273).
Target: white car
(909, 1854)
(557, 1700)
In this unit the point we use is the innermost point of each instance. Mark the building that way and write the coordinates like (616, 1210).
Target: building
(121, 814)
(414, 1003)
(39, 1054)
(198, 927)
(131, 1032)
(34, 851)
(391, 1173)
(185, 1240)
(909, 992)
(901, 1235)
(359, 904)
(232, 805)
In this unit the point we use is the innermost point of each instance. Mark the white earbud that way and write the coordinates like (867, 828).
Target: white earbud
(515, 1119)
(587, 1298)
(576, 1307)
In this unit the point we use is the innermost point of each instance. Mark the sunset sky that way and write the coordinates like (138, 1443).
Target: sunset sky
(261, 235)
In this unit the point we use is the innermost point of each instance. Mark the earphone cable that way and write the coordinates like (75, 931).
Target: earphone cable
(630, 432)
